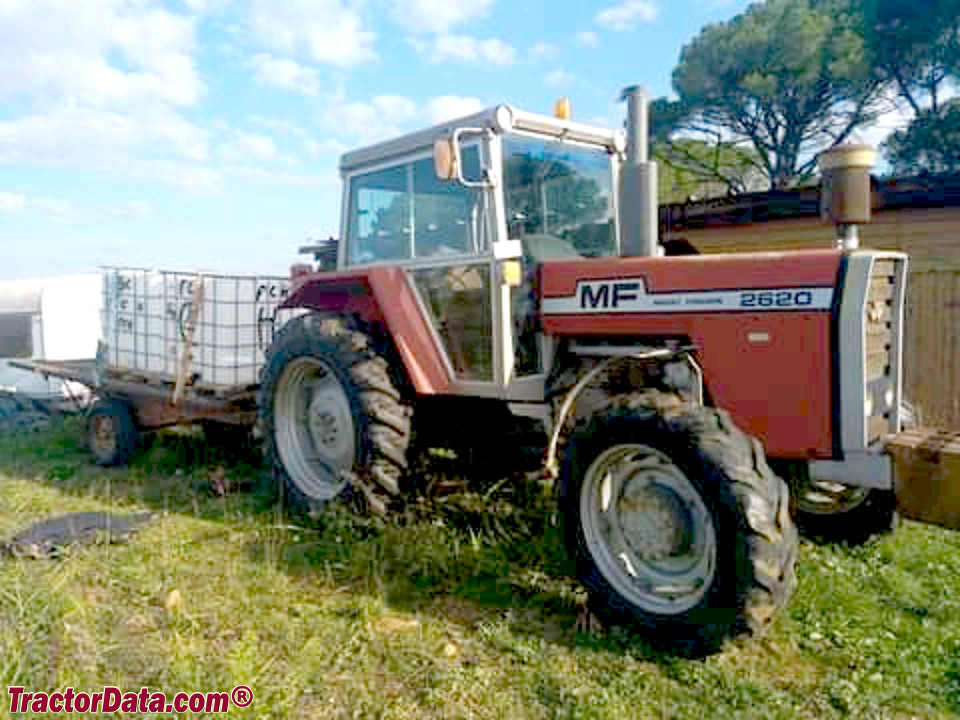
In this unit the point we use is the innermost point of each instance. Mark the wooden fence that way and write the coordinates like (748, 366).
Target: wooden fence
(932, 351)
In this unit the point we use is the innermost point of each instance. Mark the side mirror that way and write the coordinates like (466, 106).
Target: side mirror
(445, 159)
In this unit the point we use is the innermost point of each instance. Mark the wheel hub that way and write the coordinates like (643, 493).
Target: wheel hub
(648, 529)
(104, 438)
(324, 425)
(653, 519)
(314, 430)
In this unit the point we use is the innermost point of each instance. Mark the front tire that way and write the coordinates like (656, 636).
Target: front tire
(678, 524)
(332, 416)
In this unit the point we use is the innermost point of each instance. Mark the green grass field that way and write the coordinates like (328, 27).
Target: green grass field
(460, 611)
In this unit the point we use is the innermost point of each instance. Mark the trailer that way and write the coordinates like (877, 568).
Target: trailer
(174, 348)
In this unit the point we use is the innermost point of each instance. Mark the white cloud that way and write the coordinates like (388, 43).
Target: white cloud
(285, 74)
(191, 179)
(289, 179)
(379, 118)
(134, 209)
(558, 78)
(206, 7)
(320, 148)
(324, 31)
(438, 16)
(586, 39)
(627, 14)
(348, 124)
(250, 147)
(162, 147)
(465, 48)
(12, 202)
(100, 53)
(543, 50)
(52, 207)
(107, 82)
(450, 107)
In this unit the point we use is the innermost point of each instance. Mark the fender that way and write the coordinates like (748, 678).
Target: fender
(380, 296)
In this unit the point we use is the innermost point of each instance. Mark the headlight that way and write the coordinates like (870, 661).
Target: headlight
(888, 398)
(868, 406)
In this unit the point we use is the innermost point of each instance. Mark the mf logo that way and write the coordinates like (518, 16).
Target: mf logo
(609, 294)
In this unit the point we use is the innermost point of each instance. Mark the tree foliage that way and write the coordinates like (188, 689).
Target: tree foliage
(690, 168)
(930, 144)
(914, 45)
(790, 77)
(914, 48)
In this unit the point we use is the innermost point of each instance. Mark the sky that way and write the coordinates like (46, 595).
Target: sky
(205, 134)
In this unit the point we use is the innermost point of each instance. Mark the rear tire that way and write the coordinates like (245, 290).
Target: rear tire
(833, 512)
(111, 432)
(678, 524)
(332, 416)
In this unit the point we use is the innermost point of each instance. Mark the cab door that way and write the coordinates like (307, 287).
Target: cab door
(441, 232)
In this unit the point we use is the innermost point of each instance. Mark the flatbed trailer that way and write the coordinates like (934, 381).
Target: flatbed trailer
(129, 403)
(152, 394)
(176, 348)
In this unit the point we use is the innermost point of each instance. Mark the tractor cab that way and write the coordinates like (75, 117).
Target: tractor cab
(469, 209)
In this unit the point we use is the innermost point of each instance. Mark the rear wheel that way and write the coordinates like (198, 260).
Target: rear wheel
(111, 432)
(834, 512)
(678, 524)
(332, 416)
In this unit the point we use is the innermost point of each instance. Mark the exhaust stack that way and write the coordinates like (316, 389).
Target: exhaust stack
(639, 209)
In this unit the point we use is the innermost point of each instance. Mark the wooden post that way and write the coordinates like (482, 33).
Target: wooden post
(186, 358)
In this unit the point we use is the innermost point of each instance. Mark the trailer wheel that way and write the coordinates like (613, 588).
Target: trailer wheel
(332, 416)
(676, 522)
(111, 432)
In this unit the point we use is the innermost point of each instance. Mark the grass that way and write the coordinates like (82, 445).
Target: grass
(458, 612)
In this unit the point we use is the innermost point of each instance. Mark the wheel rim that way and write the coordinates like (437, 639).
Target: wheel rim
(647, 529)
(819, 497)
(104, 436)
(314, 429)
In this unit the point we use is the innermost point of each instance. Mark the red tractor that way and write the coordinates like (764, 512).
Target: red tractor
(507, 265)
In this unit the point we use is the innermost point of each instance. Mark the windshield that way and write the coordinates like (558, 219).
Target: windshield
(559, 198)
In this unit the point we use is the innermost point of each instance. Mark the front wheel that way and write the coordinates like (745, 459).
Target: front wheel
(678, 523)
(332, 416)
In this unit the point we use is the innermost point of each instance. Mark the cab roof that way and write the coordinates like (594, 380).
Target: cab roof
(500, 118)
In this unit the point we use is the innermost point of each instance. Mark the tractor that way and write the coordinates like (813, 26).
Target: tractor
(506, 266)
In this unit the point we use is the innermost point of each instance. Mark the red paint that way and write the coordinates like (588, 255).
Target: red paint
(779, 390)
(380, 296)
(733, 271)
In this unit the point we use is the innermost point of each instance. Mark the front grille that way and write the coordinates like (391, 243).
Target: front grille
(880, 370)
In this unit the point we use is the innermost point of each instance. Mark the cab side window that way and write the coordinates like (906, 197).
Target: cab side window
(404, 212)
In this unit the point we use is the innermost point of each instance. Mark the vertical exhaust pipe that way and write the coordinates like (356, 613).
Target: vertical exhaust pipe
(639, 209)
